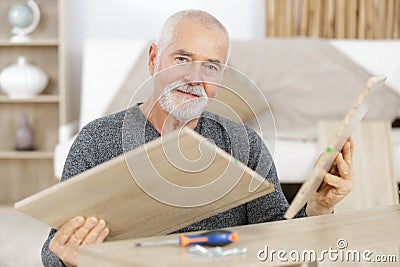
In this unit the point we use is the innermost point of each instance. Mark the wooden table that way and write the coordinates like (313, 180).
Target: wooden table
(364, 229)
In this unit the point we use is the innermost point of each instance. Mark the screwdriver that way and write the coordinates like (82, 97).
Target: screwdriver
(211, 238)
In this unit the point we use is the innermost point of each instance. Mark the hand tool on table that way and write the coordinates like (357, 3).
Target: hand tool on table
(212, 238)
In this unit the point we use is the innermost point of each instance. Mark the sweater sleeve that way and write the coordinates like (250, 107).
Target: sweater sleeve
(81, 157)
(272, 206)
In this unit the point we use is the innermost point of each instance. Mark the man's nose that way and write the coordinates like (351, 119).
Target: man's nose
(194, 75)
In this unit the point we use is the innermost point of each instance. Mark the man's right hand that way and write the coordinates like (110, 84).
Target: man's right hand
(74, 233)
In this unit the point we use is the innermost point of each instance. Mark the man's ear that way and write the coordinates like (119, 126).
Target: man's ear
(152, 58)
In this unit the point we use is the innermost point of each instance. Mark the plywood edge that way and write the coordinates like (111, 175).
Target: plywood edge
(346, 128)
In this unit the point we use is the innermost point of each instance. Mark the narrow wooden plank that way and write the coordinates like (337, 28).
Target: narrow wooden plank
(362, 14)
(311, 15)
(373, 165)
(199, 170)
(351, 27)
(389, 19)
(289, 18)
(314, 18)
(370, 13)
(396, 20)
(378, 20)
(26, 155)
(382, 19)
(346, 15)
(331, 18)
(304, 18)
(42, 42)
(324, 18)
(348, 125)
(283, 18)
(325, 26)
(270, 28)
(340, 17)
(295, 16)
(277, 18)
(35, 99)
(320, 16)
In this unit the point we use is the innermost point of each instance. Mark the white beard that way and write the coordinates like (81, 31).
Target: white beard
(180, 107)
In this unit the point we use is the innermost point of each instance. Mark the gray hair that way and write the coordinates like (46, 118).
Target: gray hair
(198, 16)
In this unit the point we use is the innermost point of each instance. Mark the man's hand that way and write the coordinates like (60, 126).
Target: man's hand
(336, 185)
(74, 233)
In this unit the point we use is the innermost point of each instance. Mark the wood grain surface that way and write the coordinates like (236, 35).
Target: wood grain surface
(182, 168)
(370, 229)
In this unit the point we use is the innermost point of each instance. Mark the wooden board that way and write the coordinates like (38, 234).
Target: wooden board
(316, 233)
(328, 156)
(109, 191)
(372, 162)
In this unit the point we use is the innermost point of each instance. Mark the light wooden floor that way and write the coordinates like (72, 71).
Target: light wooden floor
(21, 239)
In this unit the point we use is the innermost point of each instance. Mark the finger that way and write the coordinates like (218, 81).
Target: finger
(93, 234)
(102, 235)
(333, 180)
(351, 146)
(77, 238)
(343, 168)
(323, 187)
(346, 152)
(333, 169)
(68, 229)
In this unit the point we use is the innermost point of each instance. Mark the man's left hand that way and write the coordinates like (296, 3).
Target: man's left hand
(336, 184)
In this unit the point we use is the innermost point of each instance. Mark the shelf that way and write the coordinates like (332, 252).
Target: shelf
(36, 99)
(42, 42)
(26, 154)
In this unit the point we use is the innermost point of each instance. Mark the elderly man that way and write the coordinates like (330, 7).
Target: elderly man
(188, 37)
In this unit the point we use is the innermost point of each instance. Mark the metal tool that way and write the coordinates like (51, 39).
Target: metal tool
(216, 252)
(211, 238)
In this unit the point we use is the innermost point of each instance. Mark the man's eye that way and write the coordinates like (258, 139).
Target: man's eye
(180, 59)
(211, 67)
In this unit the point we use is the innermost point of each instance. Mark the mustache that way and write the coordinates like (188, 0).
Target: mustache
(196, 90)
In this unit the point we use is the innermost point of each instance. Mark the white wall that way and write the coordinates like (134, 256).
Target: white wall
(143, 19)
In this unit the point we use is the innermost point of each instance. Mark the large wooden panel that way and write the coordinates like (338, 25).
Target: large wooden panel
(371, 229)
(109, 191)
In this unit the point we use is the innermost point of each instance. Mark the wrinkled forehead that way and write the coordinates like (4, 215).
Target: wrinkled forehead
(203, 41)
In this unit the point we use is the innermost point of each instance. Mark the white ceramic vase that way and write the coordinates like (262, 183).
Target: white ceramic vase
(23, 80)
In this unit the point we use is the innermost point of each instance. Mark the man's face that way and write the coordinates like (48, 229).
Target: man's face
(194, 57)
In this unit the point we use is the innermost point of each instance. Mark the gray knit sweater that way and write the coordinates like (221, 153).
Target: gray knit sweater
(101, 140)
